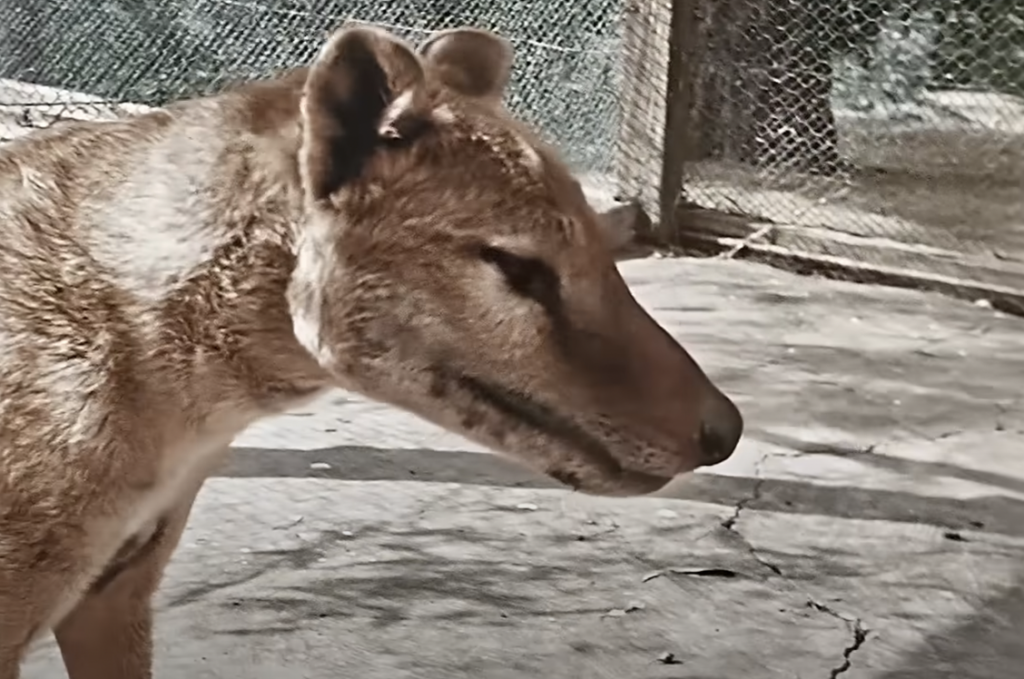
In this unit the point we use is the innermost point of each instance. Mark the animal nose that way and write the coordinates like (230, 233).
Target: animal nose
(720, 430)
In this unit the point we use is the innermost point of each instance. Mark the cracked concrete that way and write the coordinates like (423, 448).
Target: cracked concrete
(871, 525)
(860, 636)
(730, 523)
(858, 632)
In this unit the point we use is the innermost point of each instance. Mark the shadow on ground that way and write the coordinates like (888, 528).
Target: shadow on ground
(518, 596)
(996, 514)
(896, 464)
(382, 589)
(984, 646)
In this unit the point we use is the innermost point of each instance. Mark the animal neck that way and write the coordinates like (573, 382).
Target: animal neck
(228, 323)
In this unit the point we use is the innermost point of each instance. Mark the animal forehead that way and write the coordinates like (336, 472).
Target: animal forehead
(525, 163)
(480, 173)
(487, 133)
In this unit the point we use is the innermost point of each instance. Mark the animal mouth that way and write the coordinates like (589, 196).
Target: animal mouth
(544, 418)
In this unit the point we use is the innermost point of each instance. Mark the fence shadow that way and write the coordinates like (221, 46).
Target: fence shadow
(896, 464)
(985, 646)
(995, 514)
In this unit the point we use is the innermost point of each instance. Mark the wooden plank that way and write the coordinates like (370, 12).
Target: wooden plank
(1007, 297)
(868, 250)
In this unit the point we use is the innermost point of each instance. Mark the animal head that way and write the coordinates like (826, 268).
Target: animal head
(450, 265)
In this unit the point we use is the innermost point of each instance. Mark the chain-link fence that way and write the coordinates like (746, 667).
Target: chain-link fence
(83, 58)
(865, 136)
(876, 135)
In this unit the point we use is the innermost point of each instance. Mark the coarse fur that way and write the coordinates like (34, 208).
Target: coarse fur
(375, 222)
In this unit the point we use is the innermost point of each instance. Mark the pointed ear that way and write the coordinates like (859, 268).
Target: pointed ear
(623, 223)
(366, 87)
(473, 62)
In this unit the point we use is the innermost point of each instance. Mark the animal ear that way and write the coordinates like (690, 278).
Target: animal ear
(473, 62)
(623, 223)
(365, 88)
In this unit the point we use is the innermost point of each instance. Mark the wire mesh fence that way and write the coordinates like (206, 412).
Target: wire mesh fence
(872, 131)
(83, 58)
(880, 131)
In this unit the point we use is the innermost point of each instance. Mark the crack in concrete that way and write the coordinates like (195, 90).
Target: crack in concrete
(729, 523)
(855, 625)
(857, 629)
(755, 494)
(860, 636)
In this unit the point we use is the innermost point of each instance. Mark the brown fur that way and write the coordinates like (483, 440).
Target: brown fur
(375, 222)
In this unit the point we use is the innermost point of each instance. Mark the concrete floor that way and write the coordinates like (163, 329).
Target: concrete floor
(870, 526)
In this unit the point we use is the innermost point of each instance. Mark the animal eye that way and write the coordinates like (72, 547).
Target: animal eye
(527, 276)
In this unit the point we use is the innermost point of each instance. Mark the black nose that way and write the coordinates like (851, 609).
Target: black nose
(720, 430)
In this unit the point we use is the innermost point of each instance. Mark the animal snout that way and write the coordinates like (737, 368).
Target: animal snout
(720, 430)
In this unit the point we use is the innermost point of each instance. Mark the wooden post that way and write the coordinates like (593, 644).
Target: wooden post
(677, 145)
(644, 75)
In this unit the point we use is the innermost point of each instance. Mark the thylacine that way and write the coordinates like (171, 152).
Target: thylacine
(376, 222)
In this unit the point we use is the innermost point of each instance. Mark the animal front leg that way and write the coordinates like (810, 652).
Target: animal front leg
(109, 634)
